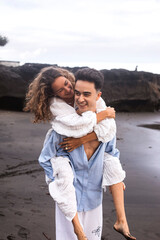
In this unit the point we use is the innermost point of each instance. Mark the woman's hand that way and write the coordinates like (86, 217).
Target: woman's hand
(70, 143)
(108, 113)
(111, 113)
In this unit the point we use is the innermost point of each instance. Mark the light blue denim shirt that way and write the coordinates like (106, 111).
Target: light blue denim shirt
(88, 174)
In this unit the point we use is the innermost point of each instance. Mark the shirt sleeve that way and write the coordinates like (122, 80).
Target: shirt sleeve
(67, 122)
(106, 129)
(48, 152)
(111, 148)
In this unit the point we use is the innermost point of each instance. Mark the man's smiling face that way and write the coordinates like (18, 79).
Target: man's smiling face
(86, 96)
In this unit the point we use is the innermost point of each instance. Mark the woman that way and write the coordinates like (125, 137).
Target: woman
(60, 83)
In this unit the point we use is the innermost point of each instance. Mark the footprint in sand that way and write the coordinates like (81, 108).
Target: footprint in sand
(23, 232)
(18, 213)
(11, 237)
(1, 215)
(28, 200)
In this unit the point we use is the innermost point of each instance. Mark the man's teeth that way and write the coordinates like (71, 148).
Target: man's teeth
(82, 105)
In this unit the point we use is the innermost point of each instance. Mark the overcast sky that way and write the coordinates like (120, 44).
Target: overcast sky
(95, 33)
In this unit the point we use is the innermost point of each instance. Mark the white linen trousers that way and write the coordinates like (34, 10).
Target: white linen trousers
(91, 221)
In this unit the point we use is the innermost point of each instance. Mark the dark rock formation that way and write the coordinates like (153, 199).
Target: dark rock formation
(14, 83)
(125, 90)
(131, 90)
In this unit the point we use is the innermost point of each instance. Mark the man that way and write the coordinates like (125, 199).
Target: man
(87, 163)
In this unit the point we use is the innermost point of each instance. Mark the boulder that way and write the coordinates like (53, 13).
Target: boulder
(125, 90)
(14, 83)
(131, 90)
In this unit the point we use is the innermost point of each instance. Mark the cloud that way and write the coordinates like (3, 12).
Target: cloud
(120, 31)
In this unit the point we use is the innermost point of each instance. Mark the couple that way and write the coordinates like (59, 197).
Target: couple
(92, 154)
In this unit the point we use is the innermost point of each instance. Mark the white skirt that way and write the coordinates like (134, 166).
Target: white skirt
(91, 222)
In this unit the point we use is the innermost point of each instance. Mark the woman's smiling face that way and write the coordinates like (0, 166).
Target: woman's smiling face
(62, 88)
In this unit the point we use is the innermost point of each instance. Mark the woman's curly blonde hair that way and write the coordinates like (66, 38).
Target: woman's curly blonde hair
(40, 92)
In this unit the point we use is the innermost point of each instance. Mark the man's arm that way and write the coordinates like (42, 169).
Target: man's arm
(48, 152)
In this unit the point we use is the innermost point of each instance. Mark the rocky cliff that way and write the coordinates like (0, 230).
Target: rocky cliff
(125, 90)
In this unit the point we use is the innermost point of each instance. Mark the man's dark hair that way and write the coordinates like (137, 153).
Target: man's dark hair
(90, 75)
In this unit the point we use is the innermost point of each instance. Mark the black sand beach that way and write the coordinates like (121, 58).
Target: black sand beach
(26, 209)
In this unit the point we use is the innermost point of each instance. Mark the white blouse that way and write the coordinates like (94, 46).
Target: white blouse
(67, 122)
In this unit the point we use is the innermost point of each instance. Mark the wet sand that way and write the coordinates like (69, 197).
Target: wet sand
(26, 209)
